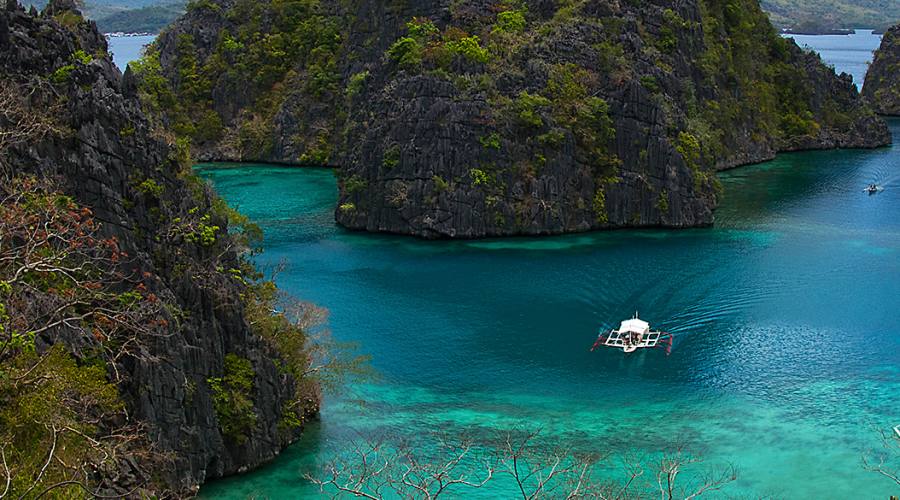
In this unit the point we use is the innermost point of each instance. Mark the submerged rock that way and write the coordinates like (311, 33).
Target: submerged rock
(882, 86)
(468, 119)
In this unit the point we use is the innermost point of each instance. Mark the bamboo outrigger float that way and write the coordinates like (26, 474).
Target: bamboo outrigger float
(634, 334)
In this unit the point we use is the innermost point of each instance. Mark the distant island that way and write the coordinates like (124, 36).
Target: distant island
(129, 16)
(817, 31)
(797, 17)
(831, 17)
(150, 19)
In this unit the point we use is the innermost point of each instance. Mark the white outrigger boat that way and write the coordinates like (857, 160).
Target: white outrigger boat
(634, 334)
(873, 189)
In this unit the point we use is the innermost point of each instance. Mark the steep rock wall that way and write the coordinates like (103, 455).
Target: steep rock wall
(470, 118)
(109, 158)
(882, 87)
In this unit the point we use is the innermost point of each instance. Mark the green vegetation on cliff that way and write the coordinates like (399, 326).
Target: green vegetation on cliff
(599, 97)
(139, 348)
(882, 86)
(272, 46)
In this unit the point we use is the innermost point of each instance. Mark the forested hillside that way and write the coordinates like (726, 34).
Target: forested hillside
(813, 15)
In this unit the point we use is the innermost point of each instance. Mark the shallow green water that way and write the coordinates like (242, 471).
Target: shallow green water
(786, 315)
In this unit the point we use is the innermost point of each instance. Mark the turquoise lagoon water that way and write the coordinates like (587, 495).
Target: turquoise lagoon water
(786, 316)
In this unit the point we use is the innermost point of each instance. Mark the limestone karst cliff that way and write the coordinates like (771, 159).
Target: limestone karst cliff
(882, 87)
(472, 118)
(202, 385)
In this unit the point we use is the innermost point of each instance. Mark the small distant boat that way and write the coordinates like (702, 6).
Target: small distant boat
(897, 431)
(634, 334)
(872, 188)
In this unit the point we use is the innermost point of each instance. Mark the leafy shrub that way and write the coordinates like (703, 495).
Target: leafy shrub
(68, 19)
(553, 138)
(232, 400)
(149, 187)
(491, 141)
(527, 107)
(650, 83)
(153, 87)
(204, 234)
(391, 157)
(197, 5)
(672, 23)
(357, 82)
(62, 74)
(470, 48)
(510, 21)
(479, 177)
(440, 185)
(229, 44)
(421, 28)
(406, 52)
(81, 57)
(599, 205)
(318, 153)
(355, 184)
(792, 124)
(662, 203)
(689, 148)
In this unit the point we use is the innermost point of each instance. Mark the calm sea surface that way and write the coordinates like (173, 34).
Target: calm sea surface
(786, 316)
(128, 48)
(847, 53)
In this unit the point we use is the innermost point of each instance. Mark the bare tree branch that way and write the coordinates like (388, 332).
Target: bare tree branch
(378, 469)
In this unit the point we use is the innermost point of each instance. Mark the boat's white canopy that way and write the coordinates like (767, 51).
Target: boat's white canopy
(634, 326)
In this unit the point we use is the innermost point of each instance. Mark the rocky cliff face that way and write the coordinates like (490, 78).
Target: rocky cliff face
(882, 87)
(108, 157)
(471, 118)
